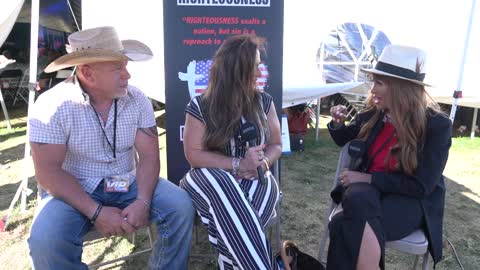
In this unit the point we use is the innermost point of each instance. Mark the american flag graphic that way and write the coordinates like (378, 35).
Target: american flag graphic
(197, 76)
(262, 80)
(202, 70)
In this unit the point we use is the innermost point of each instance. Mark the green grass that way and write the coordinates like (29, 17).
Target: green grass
(306, 180)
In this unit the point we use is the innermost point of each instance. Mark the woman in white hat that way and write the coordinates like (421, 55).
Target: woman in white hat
(398, 186)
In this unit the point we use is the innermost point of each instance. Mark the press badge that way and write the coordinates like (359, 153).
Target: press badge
(116, 184)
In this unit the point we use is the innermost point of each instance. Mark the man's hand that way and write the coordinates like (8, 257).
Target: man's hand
(110, 222)
(137, 214)
(348, 177)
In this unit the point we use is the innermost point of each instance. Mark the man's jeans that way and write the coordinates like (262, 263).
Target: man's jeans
(58, 229)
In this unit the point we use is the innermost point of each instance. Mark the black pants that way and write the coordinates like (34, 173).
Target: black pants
(390, 216)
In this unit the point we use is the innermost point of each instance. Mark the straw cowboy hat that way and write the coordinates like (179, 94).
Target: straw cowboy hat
(99, 44)
(402, 62)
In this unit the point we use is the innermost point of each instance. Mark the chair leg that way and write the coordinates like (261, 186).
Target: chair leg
(415, 262)
(425, 261)
(150, 235)
(323, 240)
(133, 238)
(323, 243)
(277, 228)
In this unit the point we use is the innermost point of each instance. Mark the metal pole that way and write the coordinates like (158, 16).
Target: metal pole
(5, 112)
(317, 115)
(31, 95)
(462, 65)
(317, 119)
(474, 123)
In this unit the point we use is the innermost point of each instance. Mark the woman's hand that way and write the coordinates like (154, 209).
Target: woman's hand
(253, 159)
(348, 177)
(339, 114)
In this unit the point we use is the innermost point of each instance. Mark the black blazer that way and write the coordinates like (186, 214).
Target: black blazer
(427, 184)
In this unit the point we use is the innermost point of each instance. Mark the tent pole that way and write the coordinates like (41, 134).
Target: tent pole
(474, 123)
(31, 94)
(462, 65)
(5, 112)
(317, 116)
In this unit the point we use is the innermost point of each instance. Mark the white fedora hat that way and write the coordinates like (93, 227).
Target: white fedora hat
(99, 44)
(402, 62)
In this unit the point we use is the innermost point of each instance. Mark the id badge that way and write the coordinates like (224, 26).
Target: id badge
(115, 184)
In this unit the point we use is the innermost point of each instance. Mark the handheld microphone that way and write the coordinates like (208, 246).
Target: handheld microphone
(356, 150)
(249, 133)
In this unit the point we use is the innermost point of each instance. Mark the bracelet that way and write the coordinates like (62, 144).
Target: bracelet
(235, 166)
(97, 212)
(266, 164)
(145, 202)
(267, 159)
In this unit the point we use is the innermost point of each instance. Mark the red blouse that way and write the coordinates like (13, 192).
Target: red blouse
(378, 163)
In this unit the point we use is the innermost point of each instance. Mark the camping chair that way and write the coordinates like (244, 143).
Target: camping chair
(416, 243)
(23, 87)
(94, 236)
(9, 82)
(272, 225)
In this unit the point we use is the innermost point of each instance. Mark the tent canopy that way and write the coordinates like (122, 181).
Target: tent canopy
(442, 39)
(54, 14)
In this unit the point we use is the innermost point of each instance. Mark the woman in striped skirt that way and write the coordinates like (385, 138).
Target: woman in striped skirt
(223, 182)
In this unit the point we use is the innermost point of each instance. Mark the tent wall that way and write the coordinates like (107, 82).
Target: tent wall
(141, 20)
(8, 16)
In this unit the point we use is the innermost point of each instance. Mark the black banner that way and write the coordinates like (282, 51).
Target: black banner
(194, 30)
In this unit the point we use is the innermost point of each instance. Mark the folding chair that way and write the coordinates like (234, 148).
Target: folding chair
(94, 236)
(416, 243)
(9, 82)
(23, 89)
(272, 225)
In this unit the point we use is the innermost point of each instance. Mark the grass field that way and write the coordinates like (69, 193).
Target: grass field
(306, 179)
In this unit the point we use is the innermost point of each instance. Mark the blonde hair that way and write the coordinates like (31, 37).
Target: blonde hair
(409, 106)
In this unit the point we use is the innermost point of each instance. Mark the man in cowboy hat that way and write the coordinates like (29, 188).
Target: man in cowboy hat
(84, 135)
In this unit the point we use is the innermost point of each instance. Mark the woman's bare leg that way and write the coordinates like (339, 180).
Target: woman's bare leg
(369, 255)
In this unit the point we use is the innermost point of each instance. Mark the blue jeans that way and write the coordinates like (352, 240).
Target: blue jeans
(57, 232)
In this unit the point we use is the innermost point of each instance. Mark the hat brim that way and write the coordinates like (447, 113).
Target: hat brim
(133, 50)
(379, 72)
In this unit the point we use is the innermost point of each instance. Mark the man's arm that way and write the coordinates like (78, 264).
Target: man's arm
(148, 169)
(48, 160)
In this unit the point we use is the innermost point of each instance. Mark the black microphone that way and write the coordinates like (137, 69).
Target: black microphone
(249, 133)
(356, 150)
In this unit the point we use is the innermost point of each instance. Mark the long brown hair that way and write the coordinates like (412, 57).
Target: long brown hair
(231, 91)
(409, 105)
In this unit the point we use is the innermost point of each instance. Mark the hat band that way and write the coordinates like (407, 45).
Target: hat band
(399, 71)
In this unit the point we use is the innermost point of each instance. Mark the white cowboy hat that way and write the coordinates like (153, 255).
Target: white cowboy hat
(99, 44)
(402, 62)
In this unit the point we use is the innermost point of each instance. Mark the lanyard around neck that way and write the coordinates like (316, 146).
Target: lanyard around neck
(113, 147)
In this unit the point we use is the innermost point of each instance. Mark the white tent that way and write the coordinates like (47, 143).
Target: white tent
(439, 27)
